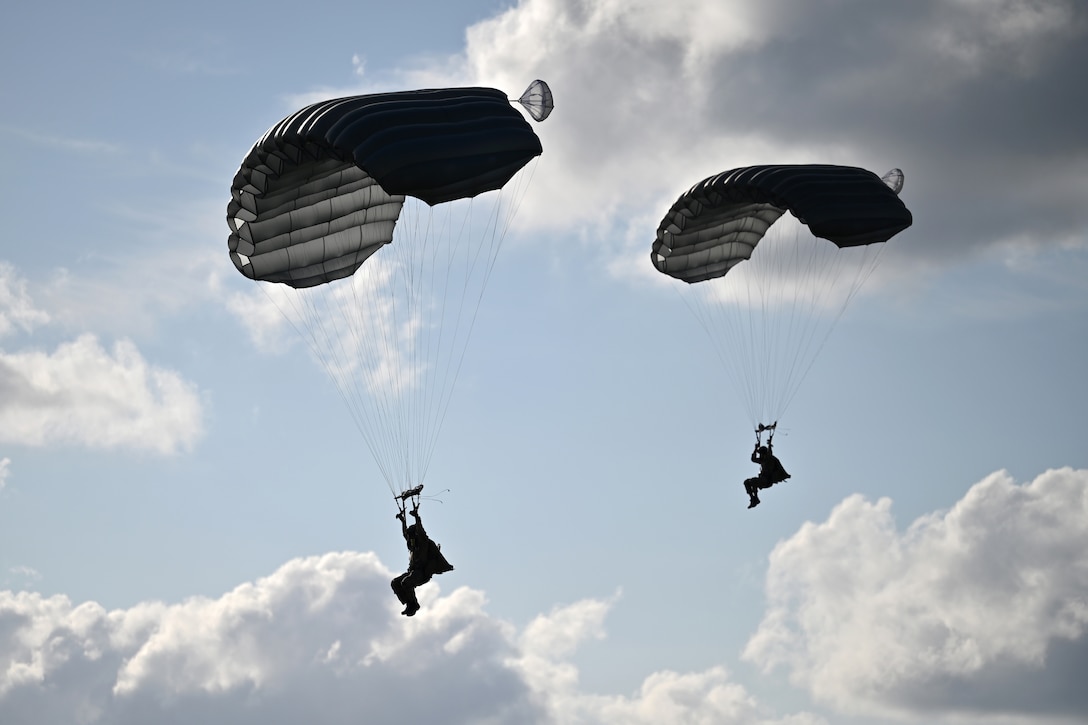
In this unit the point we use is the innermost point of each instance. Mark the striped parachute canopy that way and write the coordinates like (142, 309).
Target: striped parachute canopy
(770, 316)
(718, 222)
(380, 218)
(322, 190)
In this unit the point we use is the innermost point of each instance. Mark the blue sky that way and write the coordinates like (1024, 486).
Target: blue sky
(192, 529)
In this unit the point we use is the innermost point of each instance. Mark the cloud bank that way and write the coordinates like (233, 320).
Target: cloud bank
(975, 614)
(981, 610)
(970, 98)
(321, 640)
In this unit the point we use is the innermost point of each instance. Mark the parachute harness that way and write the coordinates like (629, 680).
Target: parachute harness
(769, 429)
(414, 494)
(402, 499)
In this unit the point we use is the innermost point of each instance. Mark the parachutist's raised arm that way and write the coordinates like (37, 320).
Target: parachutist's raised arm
(419, 521)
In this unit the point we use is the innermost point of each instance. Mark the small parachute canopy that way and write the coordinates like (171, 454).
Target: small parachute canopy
(322, 190)
(894, 180)
(718, 222)
(537, 100)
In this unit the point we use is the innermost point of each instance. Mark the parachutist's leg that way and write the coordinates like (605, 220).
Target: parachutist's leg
(407, 583)
(401, 590)
(751, 486)
(411, 604)
(410, 601)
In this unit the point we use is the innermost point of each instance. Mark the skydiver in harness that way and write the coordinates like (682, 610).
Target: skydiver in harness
(425, 557)
(771, 470)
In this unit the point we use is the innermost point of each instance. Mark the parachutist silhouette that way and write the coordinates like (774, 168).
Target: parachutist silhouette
(771, 472)
(424, 561)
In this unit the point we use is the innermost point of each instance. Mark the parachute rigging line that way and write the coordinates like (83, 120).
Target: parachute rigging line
(769, 288)
(380, 218)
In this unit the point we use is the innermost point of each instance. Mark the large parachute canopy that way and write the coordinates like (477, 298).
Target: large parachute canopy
(326, 189)
(770, 316)
(322, 189)
(717, 223)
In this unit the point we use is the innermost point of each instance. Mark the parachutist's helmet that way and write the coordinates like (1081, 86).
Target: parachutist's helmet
(415, 534)
(764, 450)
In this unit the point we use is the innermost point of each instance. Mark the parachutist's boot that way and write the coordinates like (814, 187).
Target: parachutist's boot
(753, 502)
(411, 609)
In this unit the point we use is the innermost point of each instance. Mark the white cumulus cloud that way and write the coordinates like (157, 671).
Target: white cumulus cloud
(981, 610)
(969, 98)
(17, 309)
(321, 641)
(82, 393)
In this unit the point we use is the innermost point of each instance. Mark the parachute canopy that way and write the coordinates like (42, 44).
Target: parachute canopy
(537, 100)
(322, 189)
(769, 317)
(718, 222)
(431, 178)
